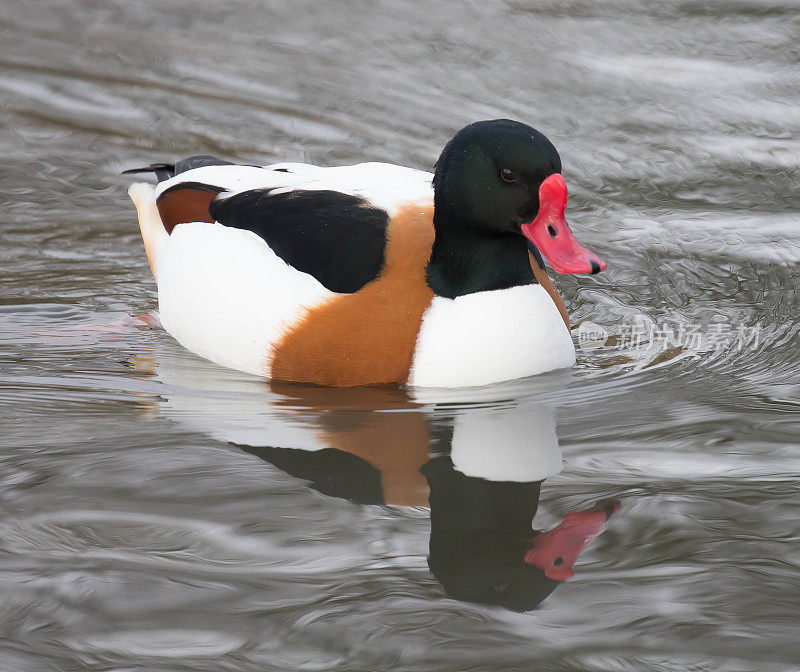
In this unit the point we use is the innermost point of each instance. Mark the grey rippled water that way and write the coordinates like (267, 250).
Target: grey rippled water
(160, 513)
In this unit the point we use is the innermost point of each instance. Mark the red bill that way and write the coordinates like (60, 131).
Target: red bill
(552, 236)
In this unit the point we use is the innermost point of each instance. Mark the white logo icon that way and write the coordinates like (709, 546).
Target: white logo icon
(591, 336)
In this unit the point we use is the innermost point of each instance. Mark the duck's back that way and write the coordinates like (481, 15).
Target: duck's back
(293, 271)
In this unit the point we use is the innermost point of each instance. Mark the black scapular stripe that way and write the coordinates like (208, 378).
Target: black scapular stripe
(335, 237)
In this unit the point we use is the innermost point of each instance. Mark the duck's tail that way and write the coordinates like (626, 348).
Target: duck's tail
(163, 171)
(154, 234)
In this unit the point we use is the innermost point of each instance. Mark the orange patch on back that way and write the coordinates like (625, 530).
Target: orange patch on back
(367, 337)
(544, 280)
(185, 204)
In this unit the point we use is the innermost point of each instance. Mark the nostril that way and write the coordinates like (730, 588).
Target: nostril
(558, 561)
(552, 230)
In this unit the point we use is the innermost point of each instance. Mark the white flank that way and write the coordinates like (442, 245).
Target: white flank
(489, 337)
(384, 185)
(225, 295)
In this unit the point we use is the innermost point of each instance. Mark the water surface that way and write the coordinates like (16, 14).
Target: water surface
(153, 516)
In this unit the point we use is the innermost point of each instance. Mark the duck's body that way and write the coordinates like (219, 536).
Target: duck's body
(339, 276)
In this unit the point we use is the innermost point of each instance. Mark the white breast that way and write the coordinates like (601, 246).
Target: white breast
(489, 337)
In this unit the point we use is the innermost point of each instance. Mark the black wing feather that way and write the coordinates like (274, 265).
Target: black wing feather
(336, 237)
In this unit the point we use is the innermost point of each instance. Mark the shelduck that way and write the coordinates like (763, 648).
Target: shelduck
(372, 273)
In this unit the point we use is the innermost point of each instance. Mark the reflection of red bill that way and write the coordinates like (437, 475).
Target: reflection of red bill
(556, 551)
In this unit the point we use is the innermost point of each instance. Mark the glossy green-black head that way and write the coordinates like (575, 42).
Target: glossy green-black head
(488, 175)
(501, 179)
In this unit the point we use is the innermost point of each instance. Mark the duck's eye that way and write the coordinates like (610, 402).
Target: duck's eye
(507, 176)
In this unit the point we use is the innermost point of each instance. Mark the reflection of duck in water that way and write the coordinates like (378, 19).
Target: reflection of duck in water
(478, 467)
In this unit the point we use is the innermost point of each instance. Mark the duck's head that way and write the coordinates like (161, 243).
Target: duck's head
(503, 178)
